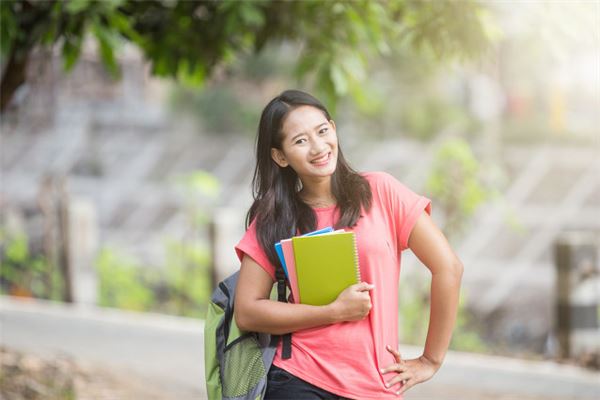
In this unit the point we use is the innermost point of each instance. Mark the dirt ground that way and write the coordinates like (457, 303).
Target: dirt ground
(28, 377)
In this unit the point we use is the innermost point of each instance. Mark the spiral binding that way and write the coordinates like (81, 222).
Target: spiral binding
(356, 263)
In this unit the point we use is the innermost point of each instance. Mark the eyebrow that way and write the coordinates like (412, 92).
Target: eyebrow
(302, 133)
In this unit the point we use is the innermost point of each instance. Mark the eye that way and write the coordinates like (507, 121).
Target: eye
(323, 131)
(300, 141)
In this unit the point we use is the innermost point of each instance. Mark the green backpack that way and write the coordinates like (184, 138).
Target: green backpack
(236, 363)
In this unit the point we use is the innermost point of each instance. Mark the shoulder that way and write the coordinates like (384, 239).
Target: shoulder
(386, 185)
(379, 179)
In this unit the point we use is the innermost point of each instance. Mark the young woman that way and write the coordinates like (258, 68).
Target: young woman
(346, 349)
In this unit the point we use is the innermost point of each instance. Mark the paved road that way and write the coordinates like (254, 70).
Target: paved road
(168, 352)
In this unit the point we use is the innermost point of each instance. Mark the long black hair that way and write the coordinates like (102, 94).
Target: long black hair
(279, 211)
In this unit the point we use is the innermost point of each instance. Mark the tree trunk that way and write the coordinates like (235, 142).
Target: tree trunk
(30, 19)
(65, 243)
(13, 76)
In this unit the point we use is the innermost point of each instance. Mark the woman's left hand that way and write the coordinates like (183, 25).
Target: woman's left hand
(409, 372)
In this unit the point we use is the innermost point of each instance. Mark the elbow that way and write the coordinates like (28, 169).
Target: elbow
(451, 269)
(241, 320)
(458, 269)
(246, 316)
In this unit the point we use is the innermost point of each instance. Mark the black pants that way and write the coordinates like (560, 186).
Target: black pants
(283, 385)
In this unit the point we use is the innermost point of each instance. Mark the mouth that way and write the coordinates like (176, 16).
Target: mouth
(321, 161)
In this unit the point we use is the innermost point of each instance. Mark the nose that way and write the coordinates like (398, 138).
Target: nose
(318, 146)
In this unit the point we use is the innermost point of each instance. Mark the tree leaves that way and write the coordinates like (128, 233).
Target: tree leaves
(189, 39)
(456, 182)
(8, 27)
(72, 42)
(107, 42)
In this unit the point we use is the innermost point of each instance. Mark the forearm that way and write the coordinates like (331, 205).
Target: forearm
(277, 318)
(445, 291)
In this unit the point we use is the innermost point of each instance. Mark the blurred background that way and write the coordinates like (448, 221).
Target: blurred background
(127, 151)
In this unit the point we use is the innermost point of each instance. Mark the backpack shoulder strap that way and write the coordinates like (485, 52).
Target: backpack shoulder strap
(286, 352)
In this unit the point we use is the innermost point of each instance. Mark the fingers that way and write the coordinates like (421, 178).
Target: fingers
(403, 376)
(409, 373)
(364, 286)
(406, 385)
(400, 378)
(395, 353)
(394, 368)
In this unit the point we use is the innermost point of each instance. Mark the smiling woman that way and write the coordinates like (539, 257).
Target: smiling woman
(300, 164)
(302, 182)
(312, 152)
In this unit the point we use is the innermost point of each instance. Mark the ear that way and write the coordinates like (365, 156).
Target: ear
(332, 124)
(279, 158)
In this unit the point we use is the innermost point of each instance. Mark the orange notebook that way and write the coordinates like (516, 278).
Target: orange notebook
(288, 254)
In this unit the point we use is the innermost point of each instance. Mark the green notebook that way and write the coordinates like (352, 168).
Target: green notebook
(325, 266)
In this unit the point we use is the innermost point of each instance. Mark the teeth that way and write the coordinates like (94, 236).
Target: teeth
(320, 160)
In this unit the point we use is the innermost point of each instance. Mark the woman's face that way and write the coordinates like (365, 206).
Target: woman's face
(309, 144)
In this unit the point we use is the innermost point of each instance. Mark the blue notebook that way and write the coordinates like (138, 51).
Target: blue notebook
(280, 251)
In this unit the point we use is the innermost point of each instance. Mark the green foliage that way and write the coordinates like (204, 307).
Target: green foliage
(426, 117)
(456, 183)
(231, 105)
(188, 274)
(189, 39)
(219, 109)
(409, 95)
(200, 190)
(273, 61)
(200, 183)
(182, 285)
(107, 41)
(448, 29)
(66, 23)
(23, 273)
(9, 29)
(414, 310)
(122, 283)
(15, 257)
(465, 336)
(188, 278)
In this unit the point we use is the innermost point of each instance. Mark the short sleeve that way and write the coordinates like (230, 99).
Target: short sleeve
(250, 245)
(406, 207)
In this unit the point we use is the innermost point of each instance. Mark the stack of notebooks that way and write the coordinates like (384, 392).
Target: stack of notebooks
(319, 265)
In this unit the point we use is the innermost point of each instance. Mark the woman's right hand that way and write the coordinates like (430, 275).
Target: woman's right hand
(354, 303)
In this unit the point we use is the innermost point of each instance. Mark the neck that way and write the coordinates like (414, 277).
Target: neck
(318, 192)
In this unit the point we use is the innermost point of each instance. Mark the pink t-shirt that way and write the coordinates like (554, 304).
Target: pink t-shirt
(345, 358)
